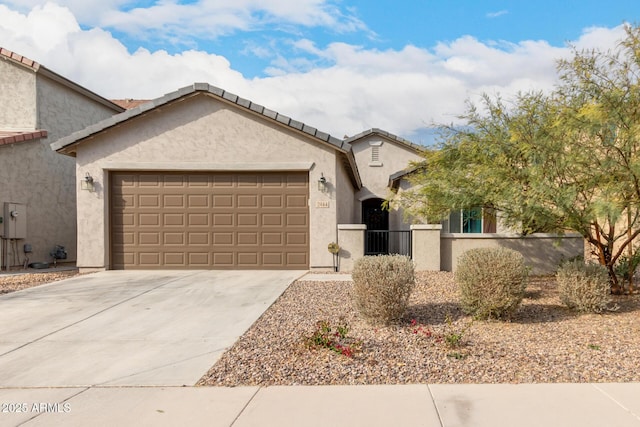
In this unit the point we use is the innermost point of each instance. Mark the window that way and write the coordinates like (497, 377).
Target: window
(474, 220)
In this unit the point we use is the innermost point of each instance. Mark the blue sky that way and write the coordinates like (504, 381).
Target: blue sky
(340, 65)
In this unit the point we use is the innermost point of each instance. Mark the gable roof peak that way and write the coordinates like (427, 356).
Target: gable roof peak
(7, 55)
(385, 134)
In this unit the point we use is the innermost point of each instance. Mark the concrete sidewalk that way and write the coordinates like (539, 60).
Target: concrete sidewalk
(443, 405)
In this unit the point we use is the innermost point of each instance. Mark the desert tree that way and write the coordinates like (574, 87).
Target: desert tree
(563, 161)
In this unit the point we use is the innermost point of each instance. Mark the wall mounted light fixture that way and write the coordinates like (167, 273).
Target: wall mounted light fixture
(322, 183)
(87, 183)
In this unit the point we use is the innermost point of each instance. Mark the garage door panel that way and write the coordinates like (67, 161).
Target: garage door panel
(296, 201)
(148, 238)
(124, 219)
(248, 220)
(223, 259)
(147, 201)
(223, 238)
(296, 220)
(123, 180)
(273, 181)
(198, 181)
(245, 239)
(273, 259)
(222, 201)
(173, 181)
(199, 238)
(199, 259)
(251, 181)
(271, 239)
(297, 259)
(124, 238)
(149, 259)
(149, 220)
(173, 201)
(209, 220)
(247, 200)
(174, 259)
(123, 258)
(294, 239)
(223, 220)
(198, 220)
(248, 259)
(148, 180)
(198, 201)
(173, 220)
(272, 220)
(177, 238)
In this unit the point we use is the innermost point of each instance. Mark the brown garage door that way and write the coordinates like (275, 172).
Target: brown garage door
(209, 220)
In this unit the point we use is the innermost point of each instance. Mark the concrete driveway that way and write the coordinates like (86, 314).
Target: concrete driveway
(126, 328)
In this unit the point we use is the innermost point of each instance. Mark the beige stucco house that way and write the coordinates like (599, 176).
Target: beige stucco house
(37, 186)
(201, 179)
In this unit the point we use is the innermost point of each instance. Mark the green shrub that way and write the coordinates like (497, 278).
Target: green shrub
(382, 287)
(583, 287)
(491, 281)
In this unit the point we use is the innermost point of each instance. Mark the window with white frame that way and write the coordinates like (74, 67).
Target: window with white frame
(474, 220)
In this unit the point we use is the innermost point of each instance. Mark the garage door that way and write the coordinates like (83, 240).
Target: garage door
(209, 220)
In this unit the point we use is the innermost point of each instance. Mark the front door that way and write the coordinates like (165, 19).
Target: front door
(377, 221)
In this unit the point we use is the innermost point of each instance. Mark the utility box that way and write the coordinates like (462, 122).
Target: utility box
(14, 221)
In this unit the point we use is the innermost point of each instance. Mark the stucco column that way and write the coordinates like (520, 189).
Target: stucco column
(351, 242)
(425, 246)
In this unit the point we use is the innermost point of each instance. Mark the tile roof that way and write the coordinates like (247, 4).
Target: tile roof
(388, 135)
(395, 178)
(209, 90)
(129, 103)
(11, 137)
(65, 144)
(7, 55)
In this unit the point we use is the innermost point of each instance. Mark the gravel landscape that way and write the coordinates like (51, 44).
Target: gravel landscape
(544, 341)
(16, 282)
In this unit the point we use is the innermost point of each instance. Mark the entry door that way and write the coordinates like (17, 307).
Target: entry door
(377, 221)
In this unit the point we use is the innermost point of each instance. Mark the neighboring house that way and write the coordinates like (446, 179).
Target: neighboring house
(38, 106)
(201, 178)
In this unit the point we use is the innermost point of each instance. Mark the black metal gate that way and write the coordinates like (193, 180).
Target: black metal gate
(387, 242)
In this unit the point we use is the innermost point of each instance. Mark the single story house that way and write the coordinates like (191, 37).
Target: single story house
(201, 178)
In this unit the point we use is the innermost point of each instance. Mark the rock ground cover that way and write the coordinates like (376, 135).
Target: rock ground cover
(544, 341)
(16, 282)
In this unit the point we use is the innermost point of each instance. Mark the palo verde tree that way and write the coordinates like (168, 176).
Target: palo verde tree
(564, 161)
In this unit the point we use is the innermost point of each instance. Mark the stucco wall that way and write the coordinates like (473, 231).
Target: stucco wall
(346, 194)
(32, 173)
(394, 157)
(199, 133)
(17, 97)
(543, 252)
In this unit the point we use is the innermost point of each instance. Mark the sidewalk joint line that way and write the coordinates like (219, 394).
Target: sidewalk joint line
(245, 407)
(435, 405)
(616, 401)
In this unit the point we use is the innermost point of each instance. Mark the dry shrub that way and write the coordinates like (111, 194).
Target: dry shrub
(583, 287)
(382, 287)
(491, 281)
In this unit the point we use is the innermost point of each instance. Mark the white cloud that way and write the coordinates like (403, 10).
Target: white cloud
(497, 14)
(179, 22)
(356, 88)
